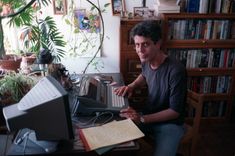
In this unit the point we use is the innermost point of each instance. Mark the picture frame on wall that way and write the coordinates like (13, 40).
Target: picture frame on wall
(141, 12)
(84, 22)
(117, 7)
(60, 7)
(80, 15)
(151, 13)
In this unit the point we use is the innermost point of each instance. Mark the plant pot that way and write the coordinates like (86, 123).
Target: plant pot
(7, 101)
(10, 62)
(3, 103)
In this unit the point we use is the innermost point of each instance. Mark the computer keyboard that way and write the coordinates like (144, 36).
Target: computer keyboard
(117, 101)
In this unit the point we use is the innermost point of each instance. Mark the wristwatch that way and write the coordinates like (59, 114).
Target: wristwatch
(142, 119)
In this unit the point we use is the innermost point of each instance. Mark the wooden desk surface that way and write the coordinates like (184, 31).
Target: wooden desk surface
(5, 143)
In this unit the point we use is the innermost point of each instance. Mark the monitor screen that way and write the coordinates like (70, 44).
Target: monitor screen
(44, 109)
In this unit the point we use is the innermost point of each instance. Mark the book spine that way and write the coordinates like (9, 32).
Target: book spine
(193, 5)
(84, 141)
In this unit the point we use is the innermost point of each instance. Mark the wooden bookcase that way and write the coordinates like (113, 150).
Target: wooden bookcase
(130, 66)
(209, 38)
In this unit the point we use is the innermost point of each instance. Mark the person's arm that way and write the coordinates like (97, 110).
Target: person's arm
(164, 115)
(123, 90)
(161, 116)
(138, 82)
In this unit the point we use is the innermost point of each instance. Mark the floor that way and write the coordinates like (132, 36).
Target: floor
(218, 140)
(214, 140)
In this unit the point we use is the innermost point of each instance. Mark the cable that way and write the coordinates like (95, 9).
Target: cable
(75, 106)
(102, 114)
(19, 140)
(87, 123)
(96, 120)
(25, 143)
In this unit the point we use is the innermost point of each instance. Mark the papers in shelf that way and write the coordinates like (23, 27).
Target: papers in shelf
(166, 6)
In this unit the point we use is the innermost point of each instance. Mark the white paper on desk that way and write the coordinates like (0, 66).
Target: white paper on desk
(111, 134)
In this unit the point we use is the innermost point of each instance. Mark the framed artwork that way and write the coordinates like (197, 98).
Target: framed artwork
(141, 12)
(117, 6)
(151, 13)
(86, 21)
(60, 7)
(80, 18)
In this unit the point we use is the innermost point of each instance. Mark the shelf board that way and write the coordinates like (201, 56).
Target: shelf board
(169, 16)
(199, 43)
(209, 96)
(210, 71)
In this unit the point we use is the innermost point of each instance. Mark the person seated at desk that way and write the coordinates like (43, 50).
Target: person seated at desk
(166, 81)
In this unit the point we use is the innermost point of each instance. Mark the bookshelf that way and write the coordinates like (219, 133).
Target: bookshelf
(205, 43)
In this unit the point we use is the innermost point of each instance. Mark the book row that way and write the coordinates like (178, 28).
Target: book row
(210, 6)
(201, 29)
(204, 58)
(214, 108)
(210, 84)
(211, 109)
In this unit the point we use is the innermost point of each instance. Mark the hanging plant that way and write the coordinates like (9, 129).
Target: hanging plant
(19, 11)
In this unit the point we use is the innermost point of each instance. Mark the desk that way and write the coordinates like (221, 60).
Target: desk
(64, 147)
(5, 143)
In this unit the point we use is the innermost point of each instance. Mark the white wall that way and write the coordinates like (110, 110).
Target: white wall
(110, 51)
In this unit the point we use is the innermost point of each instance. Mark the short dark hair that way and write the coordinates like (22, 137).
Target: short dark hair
(149, 29)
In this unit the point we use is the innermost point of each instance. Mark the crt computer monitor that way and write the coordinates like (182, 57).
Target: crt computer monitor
(44, 109)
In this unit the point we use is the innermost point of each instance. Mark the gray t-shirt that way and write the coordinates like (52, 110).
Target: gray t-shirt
(167, 87)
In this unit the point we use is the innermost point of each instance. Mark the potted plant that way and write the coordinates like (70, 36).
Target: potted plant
(25, 17)
(19, 12)
(43, 34)
(10, 62)
(38, 33)
(13, 86)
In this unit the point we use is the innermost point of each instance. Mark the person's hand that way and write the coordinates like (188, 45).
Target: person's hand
(130, 113)
(123, 90)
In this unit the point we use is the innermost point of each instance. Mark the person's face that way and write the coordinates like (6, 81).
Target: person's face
(145, 48)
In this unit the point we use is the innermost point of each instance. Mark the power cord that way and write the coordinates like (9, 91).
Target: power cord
(99, 119)
(106, 119)
(19, 140)
(25, 143)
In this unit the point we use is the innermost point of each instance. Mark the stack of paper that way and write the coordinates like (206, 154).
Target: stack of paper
(166, 6)
(110, 134)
